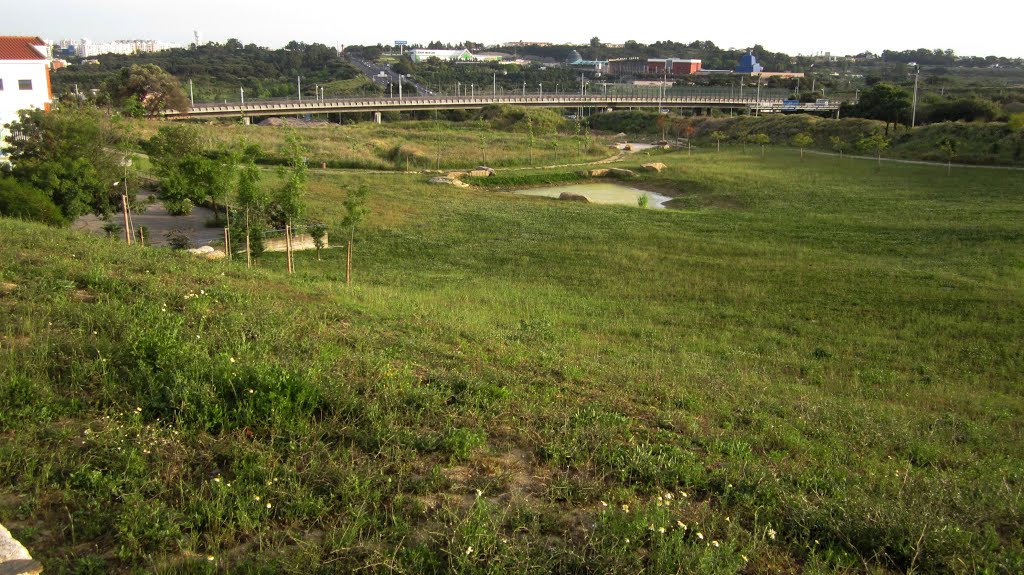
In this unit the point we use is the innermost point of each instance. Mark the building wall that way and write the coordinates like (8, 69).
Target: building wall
(12, 98)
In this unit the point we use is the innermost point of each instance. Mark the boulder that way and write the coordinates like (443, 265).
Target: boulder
(490, 171)
(598, 173)
(14, 558)
(571, 197)
(200, 251)
(621, 173)
(456, 175)
(441, 180)
(480, 173)
(654, 167)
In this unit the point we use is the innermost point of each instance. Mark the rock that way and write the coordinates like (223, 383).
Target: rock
(571, 197)
(200, 251)
(490, 171)
(598, 173)
(620, 136)
(480, 173)
(654, 167)
(441, 180)
(14, 558)
(215, 255)
(456, 175)
(621, 173)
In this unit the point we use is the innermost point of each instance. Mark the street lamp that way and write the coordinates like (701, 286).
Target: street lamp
(242, 92)
(913, 114)
(540, 89)
(524, 88)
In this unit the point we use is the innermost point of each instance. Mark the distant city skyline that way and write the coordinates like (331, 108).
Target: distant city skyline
(871, 25)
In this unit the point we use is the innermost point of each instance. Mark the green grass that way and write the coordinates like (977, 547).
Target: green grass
(818, 360)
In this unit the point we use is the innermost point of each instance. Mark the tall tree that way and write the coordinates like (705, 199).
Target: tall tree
(884, 102)
(72, 155)
(149, 86)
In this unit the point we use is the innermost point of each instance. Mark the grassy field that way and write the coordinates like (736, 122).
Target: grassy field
(807, 367)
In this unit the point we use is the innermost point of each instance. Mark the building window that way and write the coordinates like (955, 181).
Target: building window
(24, 84)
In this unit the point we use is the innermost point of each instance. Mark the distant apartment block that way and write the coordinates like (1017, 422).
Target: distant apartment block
(85, 48)
(24, 78)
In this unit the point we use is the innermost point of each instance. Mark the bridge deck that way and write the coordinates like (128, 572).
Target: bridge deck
(293, 107)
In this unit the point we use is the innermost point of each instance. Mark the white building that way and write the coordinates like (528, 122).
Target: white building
(422, 55)
(24, 78)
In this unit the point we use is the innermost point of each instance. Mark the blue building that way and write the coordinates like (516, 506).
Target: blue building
(748, 65)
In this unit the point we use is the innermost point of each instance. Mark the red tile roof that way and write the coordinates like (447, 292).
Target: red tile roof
(20, 48)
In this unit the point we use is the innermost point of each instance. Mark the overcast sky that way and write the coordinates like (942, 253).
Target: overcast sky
(980, 28)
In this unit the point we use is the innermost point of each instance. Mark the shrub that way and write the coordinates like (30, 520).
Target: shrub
(19, 200)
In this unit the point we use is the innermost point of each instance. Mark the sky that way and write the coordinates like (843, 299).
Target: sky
(980, 28)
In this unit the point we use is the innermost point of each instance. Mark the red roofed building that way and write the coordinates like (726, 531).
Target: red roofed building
(24, 78)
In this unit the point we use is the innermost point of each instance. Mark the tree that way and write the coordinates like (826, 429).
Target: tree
(761, 139)
(948, 147)
(885, 102)
(595, 42)
(148, 85)
(718, 135)
(71, 155)
(355, 211)
(177, 156)
(874, 143)
(802, 140)
(289, 195)
(317, 231)
(838, 144)
(1016, 122)
(251, 197)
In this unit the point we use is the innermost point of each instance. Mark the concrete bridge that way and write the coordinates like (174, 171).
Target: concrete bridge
(256, 108)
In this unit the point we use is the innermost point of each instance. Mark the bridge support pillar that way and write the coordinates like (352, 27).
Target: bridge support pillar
(246, 120)
(376, 118)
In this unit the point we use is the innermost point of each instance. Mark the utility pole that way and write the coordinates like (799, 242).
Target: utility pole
(242, 92)
(191, 98)
(298, 80)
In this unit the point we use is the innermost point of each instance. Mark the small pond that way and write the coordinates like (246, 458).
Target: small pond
(603, 193)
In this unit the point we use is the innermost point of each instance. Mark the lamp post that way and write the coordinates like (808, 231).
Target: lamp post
(458, 90)
(399, 86)
(540, 89)
(913, 114)
(191, 98)
(472, 90)
(298, 81)
(494, 84)
(758, 95)
(524, 88)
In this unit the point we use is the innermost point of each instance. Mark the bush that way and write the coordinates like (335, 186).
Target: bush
(19, 200)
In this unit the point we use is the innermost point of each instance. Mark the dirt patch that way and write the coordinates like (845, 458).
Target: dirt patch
(83, 296)
(7, 287)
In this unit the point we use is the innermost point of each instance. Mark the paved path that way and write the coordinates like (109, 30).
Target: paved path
(158, 222)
